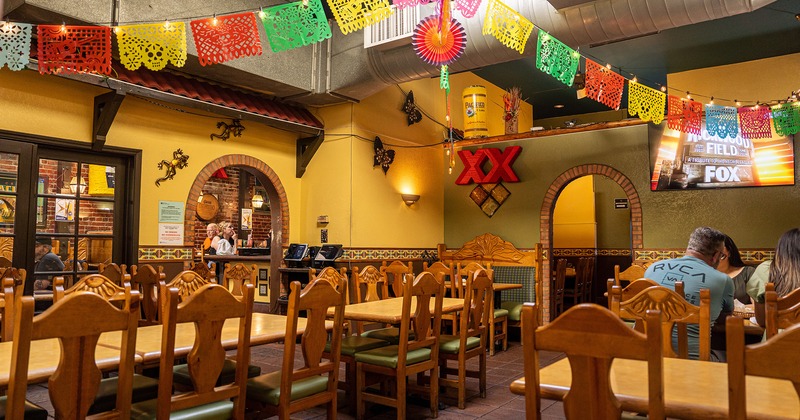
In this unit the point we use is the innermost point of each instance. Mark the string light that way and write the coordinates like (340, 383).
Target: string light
(608, 66)
(635, 80)
(214, 22)
(117, 29)
(261, 13)
(166, 23)
(737, 102)
(688, 95)
(63, 27)
(663, 88)
(711, 101)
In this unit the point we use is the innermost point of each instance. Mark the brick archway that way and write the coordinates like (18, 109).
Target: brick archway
(549, 205)
(270, 180)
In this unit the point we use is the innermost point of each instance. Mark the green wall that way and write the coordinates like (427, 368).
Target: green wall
(754, 217)
(613, 225)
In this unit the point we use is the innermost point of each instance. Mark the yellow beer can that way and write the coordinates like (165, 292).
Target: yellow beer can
(475, 112)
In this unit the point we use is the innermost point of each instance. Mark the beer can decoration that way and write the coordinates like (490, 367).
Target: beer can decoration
(475, 112)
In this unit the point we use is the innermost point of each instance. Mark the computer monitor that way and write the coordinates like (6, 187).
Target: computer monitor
(329, 252)
(296, 252)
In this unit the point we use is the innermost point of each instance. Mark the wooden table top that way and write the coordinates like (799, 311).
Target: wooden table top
(389, 311)
(265, 329)
(44, 358)
(496, 287)
(692, 389)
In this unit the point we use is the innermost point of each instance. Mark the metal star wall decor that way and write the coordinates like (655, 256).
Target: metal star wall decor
(383, 157)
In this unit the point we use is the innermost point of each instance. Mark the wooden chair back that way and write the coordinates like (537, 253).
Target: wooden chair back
(207, 308)
(775, 358)
(209, 272)
(187, 282)
(475, 315)
(236, 276)
(8, 303)
(558, 287)
(95, 283)
(76, 381)
(425, 324)
(338, 278)
(448, 273)
(635, 271)
(676, 313)
(394, 273)
(591, 336)
(148, 280)
(588, 279)
(4, 262)
(315, 299)
(780, 312)
(116, 272)
(20, 276)
(469, 269)
(369, 279)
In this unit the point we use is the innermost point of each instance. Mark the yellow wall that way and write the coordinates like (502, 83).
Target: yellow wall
(574, 224)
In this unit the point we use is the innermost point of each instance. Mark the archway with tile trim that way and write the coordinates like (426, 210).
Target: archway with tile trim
(279, 208)
(549, 205)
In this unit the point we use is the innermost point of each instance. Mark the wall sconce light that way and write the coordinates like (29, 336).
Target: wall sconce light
(410, 199)
(257, 201)
(74, 184)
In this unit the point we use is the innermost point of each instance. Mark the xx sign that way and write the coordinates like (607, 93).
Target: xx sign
(501, 165)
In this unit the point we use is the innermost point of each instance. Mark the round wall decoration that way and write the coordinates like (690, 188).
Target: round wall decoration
(207, 208)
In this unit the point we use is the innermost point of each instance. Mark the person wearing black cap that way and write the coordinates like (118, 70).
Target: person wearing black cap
(46, 260)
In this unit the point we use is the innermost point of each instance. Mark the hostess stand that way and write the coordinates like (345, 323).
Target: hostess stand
(298, 260)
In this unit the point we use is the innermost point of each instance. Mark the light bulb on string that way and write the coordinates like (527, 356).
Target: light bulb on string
(711, 101)
(635, 80)
(214, 22)
(166, 24)
(663, 88)
(737, 102)
(688, 95)
(63, 27)
(261, 13)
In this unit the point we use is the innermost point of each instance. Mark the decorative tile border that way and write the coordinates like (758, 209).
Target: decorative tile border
(591, 252)
(165, 253)
(351, 254)
(749, 256)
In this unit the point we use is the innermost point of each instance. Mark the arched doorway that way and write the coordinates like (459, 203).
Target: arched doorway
(279, 208)
(548, 207)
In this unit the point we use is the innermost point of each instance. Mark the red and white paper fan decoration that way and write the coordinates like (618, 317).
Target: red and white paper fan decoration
(439, 48)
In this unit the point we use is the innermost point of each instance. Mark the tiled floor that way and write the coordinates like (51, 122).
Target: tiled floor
(500, 403)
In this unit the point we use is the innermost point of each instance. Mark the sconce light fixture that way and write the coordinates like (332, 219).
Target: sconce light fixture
(410, 199)
(257, 201)
(74, 185)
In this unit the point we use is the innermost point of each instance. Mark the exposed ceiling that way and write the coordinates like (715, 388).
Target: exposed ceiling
(772, 30)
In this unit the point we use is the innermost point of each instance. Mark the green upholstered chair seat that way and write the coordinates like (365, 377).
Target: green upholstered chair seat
(220, 410)
(180, 373)
(353, 344)
(451, 343)
(514, 310)
(144, 388)
(32, 411)
(499, 313)
(267, 388)
(387, 356)
(391, 334)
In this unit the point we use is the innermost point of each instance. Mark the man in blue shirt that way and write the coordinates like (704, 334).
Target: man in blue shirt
(697, 270)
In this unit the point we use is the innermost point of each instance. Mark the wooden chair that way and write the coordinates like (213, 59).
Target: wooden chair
(471, 339)
(235, 277)
(76, 384)
(98, 284)
(393, 275)
(8, 302)
(148, 281)
(780, 312)
(207, 308)
(591, 336)
(588, 280)
(411, 356)
(4, 262)
(448, 275)
(187, 282)
(209, 272)
(20, 276)
(635, 271)
(583, 271)
(116, 272)
(776, 358)
(290, 390)
(674, 310)
(498, 324)
(369, 280)
(558, 287)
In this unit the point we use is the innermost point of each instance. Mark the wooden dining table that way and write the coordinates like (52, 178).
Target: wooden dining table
(693, 389)
(265, 329)
(390, 311)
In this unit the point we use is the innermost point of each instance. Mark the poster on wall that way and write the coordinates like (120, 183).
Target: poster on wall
(65, 210)
(680, 161)
(170, 212)
(247, 219)
(101, 180)
(170, 234)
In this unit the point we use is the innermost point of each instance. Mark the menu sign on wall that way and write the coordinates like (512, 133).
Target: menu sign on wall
(686, 161)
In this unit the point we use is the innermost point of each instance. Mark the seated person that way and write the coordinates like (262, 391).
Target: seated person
(783, 272)
(46, 260)
(226, 245)
(210, 243)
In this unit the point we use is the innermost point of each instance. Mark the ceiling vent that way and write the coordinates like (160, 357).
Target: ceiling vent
(397, 29)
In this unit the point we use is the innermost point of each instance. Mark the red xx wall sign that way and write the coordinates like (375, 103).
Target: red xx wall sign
(501, 161)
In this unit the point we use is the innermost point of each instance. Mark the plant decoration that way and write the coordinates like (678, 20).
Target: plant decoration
(383, 157)
(511, 103)
(179, 161)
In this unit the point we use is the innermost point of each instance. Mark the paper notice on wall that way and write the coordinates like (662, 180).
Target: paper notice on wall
(170, 212)
(247, 219)
(170, 234)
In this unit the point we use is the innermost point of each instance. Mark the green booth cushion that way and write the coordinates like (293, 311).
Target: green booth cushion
(32, 411)
(267, 388)
(353, 344)
(387, 356)
(514, 310)
(220, 410)
(144, 388)
(499, 313)
(180, 373)
(451, 343)
(391, 334)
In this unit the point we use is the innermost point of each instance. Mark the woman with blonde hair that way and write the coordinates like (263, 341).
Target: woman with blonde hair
(783, 272)
(227, 243)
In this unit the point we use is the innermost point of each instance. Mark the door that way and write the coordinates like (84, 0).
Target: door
(15, 182)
